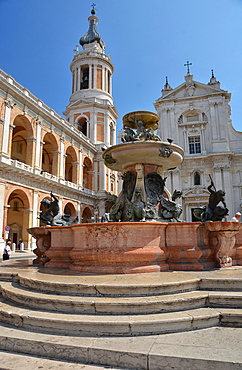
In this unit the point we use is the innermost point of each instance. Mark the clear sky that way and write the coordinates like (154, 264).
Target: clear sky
(147, 40)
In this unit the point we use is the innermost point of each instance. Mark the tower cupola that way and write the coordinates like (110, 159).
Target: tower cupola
(92, 34)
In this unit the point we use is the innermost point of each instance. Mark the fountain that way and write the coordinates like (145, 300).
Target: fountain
(141, 235)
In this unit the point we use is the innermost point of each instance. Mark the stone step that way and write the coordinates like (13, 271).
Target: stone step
(88, 324)
(113, 285)
(107, 305)
(211, 349)
(13, 361)
(216, 283)
(119, 305)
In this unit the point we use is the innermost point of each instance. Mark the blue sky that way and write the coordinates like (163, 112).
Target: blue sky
(147, 40)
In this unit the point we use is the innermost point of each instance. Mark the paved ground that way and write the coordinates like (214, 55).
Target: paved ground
(210, 348)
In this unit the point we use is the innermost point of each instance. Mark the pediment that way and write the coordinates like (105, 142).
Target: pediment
(81, 101)
(190, 89)
(195, 192)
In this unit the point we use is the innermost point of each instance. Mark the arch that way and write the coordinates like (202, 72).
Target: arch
(82, 125)
(49, 154)
(71, 165)
(192, 116)
(86, 214)
(18, 216)
(21, 145)
(70, 209)
(88, 176)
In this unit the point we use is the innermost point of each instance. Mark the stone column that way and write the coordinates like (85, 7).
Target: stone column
(61, 163)
(203, 142)
(6, 126)
(27, 222)
(2, 192)
(106, 130)
(96, 174)
(35, 206)
(60, 204)
(90, 77)
(103, 78)
(79, 78)
(30, 151)
(95, 77)
(75, 173)
(79, 212)
(80, 179)
(110, 84)
(102, 178)
(217, 177)
(185, 141)
(228, 188)
(213, 124)
(38, 148)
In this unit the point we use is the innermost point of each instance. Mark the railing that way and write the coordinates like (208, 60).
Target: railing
(21, 165)
(25, 167)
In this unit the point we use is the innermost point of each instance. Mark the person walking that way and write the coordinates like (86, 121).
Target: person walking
(7, 251)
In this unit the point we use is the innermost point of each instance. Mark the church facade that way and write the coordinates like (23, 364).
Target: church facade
(41, 151)
(196, 116)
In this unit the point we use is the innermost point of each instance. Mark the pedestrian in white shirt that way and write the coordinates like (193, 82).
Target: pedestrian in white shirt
(7, 251)
(236, 217)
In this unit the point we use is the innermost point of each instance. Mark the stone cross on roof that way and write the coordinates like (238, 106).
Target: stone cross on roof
(187, 64)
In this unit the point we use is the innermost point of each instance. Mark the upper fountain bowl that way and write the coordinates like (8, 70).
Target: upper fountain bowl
(141, 145)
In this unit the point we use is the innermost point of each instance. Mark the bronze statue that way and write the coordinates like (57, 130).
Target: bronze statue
(52, 216)
(213, 211)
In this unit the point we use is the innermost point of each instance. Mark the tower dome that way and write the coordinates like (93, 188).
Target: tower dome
(92, 34)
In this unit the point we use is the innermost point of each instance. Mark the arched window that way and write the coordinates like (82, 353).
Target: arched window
(197, 178)
(82, 125)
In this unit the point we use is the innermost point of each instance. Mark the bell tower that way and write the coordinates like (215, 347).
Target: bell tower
(91, 109)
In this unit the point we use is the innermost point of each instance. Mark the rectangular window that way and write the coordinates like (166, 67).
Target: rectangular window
(194, 145)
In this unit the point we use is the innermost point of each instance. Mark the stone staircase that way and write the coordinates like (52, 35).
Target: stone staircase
(70, 321)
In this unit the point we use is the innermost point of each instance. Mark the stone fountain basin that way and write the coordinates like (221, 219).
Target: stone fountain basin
(145, 152)
(222, 225)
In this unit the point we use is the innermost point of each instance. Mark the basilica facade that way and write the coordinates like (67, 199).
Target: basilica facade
(196, 116)
(41, 151)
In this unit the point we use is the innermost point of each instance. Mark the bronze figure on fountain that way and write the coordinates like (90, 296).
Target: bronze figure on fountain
(51, 215)
(213, 211)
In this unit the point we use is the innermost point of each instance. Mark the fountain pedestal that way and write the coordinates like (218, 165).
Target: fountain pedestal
(222, 239)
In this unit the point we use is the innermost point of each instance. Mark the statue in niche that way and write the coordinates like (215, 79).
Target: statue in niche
(122, 209)
(213, 211)
(52, 216)
(138, 207)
